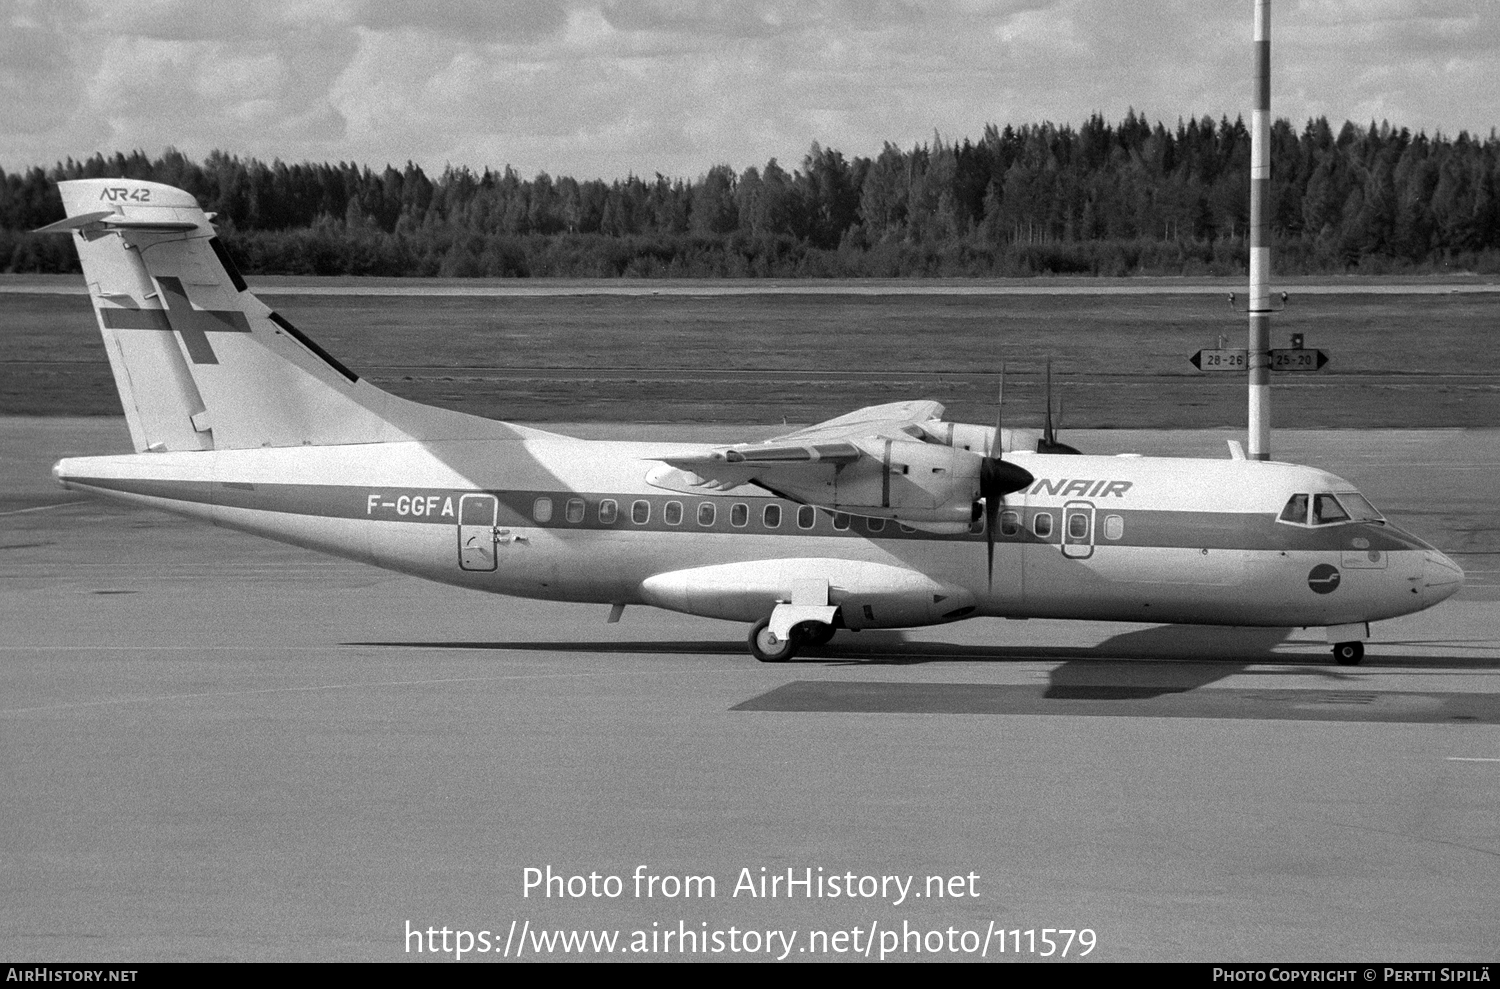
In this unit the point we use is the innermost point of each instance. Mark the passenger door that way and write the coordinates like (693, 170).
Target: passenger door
(477, 514)
(1078, 530)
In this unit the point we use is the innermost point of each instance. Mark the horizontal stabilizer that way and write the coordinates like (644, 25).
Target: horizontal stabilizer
(71, 223)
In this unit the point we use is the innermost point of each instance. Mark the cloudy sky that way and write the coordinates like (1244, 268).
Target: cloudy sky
(603, 88)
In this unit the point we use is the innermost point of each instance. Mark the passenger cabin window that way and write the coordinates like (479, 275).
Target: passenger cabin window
(574, 511)
(1042, 524)
(640, 512)
(1078, 526)
(807, 517)
(707, 513)
(739, 514)
(1010, 524)
(840, 521)
(772, 516)
(1114, 527)
(875, 525)
(608, 511)
(906, 528)
(672, 513)
(541, 509)
(1295, 510)
(1326, 509)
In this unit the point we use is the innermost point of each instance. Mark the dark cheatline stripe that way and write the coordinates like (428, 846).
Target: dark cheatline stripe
(864, 697)
(1159, 529)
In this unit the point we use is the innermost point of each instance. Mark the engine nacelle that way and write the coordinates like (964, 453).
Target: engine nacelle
(977, 439)
(960, 435)
(906, 481)
(868, 595)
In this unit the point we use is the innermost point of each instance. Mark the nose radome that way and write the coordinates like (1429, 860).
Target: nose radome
(1441, 577)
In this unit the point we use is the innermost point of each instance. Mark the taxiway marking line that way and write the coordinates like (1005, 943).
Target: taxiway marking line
(327, 686)
(43, 508)
(1469, 758)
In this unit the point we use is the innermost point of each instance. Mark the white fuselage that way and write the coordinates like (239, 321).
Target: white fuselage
(1109, 538)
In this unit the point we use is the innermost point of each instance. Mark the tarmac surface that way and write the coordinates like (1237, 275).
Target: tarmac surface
(217, 747)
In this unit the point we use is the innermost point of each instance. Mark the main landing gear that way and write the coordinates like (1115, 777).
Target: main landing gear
(767, 648)
(1348, 653)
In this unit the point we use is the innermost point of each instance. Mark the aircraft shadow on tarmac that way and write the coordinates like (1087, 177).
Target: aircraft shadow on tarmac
(1133, 665)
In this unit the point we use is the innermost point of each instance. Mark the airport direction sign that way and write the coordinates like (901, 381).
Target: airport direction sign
(1220, 360)
(1285, 359)
(1298, 359)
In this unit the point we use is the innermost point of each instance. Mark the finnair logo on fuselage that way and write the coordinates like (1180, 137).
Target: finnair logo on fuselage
(1081, 488)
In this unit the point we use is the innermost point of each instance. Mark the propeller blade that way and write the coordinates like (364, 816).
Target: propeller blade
(991, 519)
(998, 478)
(1047, 436)
(995, 445)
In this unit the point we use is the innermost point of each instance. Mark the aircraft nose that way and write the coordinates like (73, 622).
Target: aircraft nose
(1441, 577)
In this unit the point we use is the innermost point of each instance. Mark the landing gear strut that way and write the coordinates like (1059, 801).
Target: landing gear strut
(1348, 653)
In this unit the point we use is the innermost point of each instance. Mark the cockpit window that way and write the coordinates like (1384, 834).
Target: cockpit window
(1326, 509)
(1359, 509)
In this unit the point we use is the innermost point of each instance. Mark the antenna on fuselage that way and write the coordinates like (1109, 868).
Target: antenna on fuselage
(1049, 442)
(1259, 343)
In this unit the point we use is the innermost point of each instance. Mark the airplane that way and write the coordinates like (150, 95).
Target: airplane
(888, 517)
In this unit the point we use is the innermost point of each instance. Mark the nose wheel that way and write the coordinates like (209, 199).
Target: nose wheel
(1348, 653)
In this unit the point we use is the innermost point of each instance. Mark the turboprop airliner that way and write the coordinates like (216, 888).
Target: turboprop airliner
(889, 517)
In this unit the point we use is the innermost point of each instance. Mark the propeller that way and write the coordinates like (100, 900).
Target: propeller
(1048, 443)
(997, 478)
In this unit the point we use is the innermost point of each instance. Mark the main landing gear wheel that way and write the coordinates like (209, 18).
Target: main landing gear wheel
(767, 648)
(815, 633)
(1348, 653)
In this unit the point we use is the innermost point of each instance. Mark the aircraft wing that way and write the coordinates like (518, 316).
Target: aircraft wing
(836, 442)
(894, 420)
(879, 461)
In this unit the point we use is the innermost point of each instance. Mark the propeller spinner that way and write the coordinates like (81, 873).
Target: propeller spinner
(997, 478)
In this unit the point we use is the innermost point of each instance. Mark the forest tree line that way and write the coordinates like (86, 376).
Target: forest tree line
(1102, 199)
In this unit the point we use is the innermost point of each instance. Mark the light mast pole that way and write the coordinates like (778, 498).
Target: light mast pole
(1259, 348)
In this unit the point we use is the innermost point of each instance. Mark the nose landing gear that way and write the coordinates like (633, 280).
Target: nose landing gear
(1348, 653)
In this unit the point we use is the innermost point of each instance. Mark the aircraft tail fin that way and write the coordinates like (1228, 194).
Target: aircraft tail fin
(199, 361)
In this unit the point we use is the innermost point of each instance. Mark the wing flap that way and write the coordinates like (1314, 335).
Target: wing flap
(828, 453)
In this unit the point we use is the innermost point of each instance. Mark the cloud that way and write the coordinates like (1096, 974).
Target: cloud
(40, 83)
(483, 21)
(607, 87)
